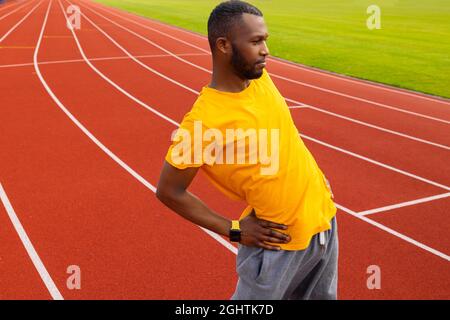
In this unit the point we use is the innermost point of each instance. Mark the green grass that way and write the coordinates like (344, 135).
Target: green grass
(411, 50)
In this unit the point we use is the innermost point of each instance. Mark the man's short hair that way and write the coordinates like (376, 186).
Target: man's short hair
(225, 16)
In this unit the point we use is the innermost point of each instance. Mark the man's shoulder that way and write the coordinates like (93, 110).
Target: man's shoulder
(206, 105)
(203, 109)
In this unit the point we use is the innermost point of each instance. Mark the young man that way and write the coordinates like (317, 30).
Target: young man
(287, 235)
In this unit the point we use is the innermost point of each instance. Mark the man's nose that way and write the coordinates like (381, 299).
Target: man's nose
(264, 49)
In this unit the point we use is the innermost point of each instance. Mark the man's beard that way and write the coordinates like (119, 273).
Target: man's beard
(242, 68)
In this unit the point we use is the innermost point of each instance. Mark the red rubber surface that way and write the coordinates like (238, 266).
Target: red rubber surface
(79, 207)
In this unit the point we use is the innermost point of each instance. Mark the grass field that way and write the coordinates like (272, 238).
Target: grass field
(411, 50)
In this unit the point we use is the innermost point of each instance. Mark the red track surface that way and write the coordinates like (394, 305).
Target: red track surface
(78, 206)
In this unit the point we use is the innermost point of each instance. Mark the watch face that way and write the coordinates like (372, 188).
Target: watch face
(235, 235)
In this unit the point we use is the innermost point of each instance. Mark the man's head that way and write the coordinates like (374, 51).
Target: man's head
(237, 36)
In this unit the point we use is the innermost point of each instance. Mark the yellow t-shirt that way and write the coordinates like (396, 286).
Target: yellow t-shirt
(284, 184)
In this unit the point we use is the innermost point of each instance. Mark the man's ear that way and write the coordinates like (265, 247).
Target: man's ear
(223, 45)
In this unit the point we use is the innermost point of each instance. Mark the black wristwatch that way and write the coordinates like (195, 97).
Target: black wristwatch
(235, 231)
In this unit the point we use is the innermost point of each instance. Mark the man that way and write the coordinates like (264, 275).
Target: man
(287, 236)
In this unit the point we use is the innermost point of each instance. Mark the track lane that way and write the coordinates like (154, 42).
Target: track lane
(10, 5)
(412, 220)
(405, 273)
(10, 19)
(18, 277)
(15, 11)
(19, 45)
(423, 160)
(6, 34)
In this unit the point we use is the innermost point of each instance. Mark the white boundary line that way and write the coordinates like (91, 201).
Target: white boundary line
(287, 99)
(138, 61)
(395, 233)
(377, 163)
(96, 59)
(371, 125)
(18, 23)
(405, 204)
(382, 105)
(11, 12)
(37, 262)
(279, 60)
(299, 107)
(362, 82)
(121, 12)
(150, 42)
(10, 5)
(215, 236)
(196, 92)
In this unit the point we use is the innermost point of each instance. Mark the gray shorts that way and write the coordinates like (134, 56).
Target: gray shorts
(302, 274)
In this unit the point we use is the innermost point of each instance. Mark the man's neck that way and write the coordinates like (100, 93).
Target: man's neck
(226, 80)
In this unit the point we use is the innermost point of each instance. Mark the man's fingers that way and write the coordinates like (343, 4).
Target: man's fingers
(270, 224)
(272, 239)
(275, 234)
(268, 247)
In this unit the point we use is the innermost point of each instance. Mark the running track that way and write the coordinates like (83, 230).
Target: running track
(85, 121)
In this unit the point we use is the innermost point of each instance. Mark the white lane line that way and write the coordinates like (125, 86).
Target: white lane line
(119, 161)
(18, 23)
(215, 236)
(11, 12)
(287, 99)
(405, 204)
(196, 92)
(120, 89)
(382, 105)
(299, 107)
(149, 41)
(395, 233)
(362, 82)
(121, 15)
(376, 162)
(97, 59)
(138, 61)
(403, 135)
(277, 60)
(37, 262)
(10, 5)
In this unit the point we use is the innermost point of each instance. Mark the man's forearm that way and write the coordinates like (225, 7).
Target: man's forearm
(193, 209)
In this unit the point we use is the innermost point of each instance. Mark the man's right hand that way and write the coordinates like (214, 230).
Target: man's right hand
(257, 232)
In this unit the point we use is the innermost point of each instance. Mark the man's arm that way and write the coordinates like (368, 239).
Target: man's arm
(172, 191)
